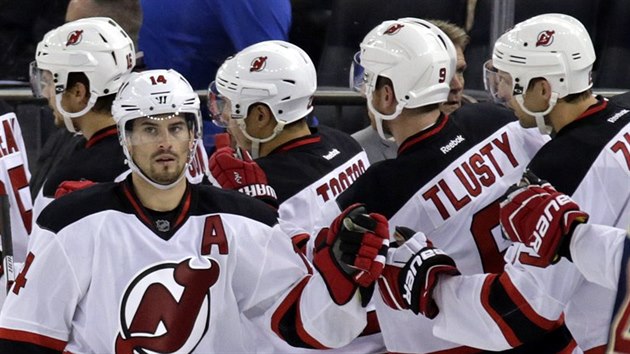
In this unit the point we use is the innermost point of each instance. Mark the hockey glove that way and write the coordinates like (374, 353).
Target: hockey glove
(235, 169)
(541, 218)
(352, 254)
(411, 273)
(66, 187)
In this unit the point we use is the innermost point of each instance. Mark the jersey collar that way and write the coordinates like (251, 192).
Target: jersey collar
(424, 134)
(313, 138)
(181, 212)
(100, 135)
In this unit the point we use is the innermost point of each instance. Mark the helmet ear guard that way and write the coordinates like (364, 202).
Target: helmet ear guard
(415, 55)
(97, 47)
(555, 47)
(275, 73)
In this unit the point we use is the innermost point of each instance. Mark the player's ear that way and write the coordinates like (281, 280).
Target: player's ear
(263, 116)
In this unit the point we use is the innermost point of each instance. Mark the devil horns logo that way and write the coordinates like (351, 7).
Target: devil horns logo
(393, 29)
(166, 308)
(74, 37)
(545, 38)
(258, 64)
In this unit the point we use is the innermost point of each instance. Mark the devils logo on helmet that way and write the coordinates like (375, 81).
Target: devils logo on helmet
(258, 64)
(74, 37)
(393, 29)
(545, 38)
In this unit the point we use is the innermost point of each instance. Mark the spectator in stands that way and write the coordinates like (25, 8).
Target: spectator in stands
(194, 37)
(378, 149)
(127, 13)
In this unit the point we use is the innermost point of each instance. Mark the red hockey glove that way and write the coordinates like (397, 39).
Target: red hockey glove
(411, 273)
(542, 218)
(235, 169)
(353, 253)
(66, 187)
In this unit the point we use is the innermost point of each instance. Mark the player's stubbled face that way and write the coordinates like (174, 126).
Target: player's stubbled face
(160, 146)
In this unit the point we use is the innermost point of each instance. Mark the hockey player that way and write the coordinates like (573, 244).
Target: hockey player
(378, 149)
(157, 264)
(263, 96)
(450, 171)
(599, 252)
(546, 63)
(79, 67)
(266, 93)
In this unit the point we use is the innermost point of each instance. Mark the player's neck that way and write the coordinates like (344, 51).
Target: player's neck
(408, 124)
(92, 122)
(565, 113)
(158, 199)
(289, 133)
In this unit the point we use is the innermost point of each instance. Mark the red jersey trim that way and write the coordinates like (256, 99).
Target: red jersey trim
(596, 350)
(29, 337)
(372, 326)
(525, 308)
(425, 134)
(509, 335)
(599, 106)
(100, 135)
(297, 143)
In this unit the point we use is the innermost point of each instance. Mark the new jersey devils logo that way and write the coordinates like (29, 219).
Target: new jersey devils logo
(166, 308)
(545, 38)
(258, 64)
(74, 37)
(393, 29)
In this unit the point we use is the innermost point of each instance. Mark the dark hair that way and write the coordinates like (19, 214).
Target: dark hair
(570, 98)
(103, 104)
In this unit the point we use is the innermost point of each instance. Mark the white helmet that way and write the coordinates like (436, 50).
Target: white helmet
(555, 47)
(276, 73)
(151, 93)
(415, 55)
(97, 47)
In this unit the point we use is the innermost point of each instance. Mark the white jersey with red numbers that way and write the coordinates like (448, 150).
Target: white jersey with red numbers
(105, 275)
(14, 178)
(589, 160)
(447, 182)
(309, 171)
(306, 173)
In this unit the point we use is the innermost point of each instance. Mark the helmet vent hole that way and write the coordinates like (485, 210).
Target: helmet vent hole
(576, 56)
(286, 98)
(106, 91)
(561, 79)
(150, 108)
(525, 44)
(292, 82)
(280, 111)
(173, 105)
(406, 97)
(103, 38)
(114, 56)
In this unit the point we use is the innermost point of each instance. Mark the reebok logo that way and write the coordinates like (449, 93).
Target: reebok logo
(617, 115)
(332, 153)
(452, 144)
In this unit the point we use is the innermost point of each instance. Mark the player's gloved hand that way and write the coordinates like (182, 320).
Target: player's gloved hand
(536, 214)
(66, 187)
(411, 273)
(352, 254)
(235, 169)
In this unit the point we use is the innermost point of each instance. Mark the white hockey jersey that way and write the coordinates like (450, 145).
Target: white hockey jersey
(446, 182)
(14, 178)
(105, 275)
(588, 160)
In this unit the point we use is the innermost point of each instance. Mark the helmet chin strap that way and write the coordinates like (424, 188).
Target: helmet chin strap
(68, 116)
(380, 117)
(543, 127)
(255, 149)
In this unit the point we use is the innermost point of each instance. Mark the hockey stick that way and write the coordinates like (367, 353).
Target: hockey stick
(7, 241)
